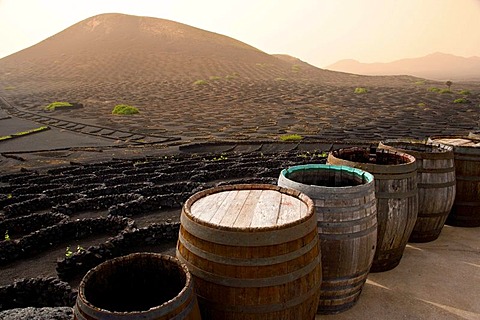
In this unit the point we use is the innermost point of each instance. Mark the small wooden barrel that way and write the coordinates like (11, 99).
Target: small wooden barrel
(397, 198)
(138, 286)
(466, 207)
(435, 183)
(253, 251)
(345, 203)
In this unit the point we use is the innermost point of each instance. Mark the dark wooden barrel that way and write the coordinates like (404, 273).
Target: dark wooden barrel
(466, 207)
(435, 183)
(253, 251)
(397, 198)
(345, 203)
(138, 286)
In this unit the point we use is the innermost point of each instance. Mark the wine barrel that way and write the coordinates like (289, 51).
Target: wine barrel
(147, 286)
(253, 251)
(345, 203)
(466, 207)
(395, 176)
(435, 182)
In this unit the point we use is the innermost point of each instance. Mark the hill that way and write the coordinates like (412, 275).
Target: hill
(117, 46)
(436, 66)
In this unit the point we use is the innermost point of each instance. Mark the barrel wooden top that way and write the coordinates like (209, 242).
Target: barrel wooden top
(458, 142)
(249, 209)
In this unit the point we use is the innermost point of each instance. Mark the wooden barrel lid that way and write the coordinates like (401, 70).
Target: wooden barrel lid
(458, 142)
(249, 207)
(462, 146)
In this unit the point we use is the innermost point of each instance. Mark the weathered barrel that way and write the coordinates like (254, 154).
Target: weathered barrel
(466, 207)
(253, 251)
(345, 203)
(435, 183)
(395, 176)
(138, 286)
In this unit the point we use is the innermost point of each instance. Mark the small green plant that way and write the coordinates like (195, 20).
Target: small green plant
(9, 88)
(7, 236)
(421, 104)
(68, 252)
(9, 196)
(434, 89)
(291, 137)
(464, 92)
(124, 109)
(280, 79)
(461, 100)
(445, 91)
(215, 78)
(200, 82)
(220, 158)
(314, 154)
(360, 90)
(57, 104)
(420, 82)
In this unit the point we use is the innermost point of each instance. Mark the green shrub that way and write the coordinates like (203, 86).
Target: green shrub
(360, 90)
(464, 92)
(433, 89)
(57, 104)
(200, 82)
(291, 137)
(124, 109)
(445, 91)
(461, 100)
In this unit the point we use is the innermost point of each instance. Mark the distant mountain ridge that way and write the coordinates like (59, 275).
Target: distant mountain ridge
(436, 66)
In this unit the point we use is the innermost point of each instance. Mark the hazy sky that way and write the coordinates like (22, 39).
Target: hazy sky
(320, 32)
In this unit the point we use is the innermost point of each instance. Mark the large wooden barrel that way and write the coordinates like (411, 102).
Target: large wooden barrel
(345, 203)
(466, 207)
(137, 286)
(435, 183)
(253, 251)
(397, 198)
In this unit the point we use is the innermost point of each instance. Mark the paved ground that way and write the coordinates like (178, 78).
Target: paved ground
(435, 280)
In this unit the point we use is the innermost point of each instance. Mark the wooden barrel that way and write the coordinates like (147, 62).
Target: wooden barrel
(466, 207)
(138, 286)
(435, 183)
(397, 198)
(345, 203)
(253, 251)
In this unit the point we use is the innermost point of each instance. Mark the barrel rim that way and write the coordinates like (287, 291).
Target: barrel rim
(443, 152)
(288, 191)
(160, 308)
(374, 168)
(356, 188)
